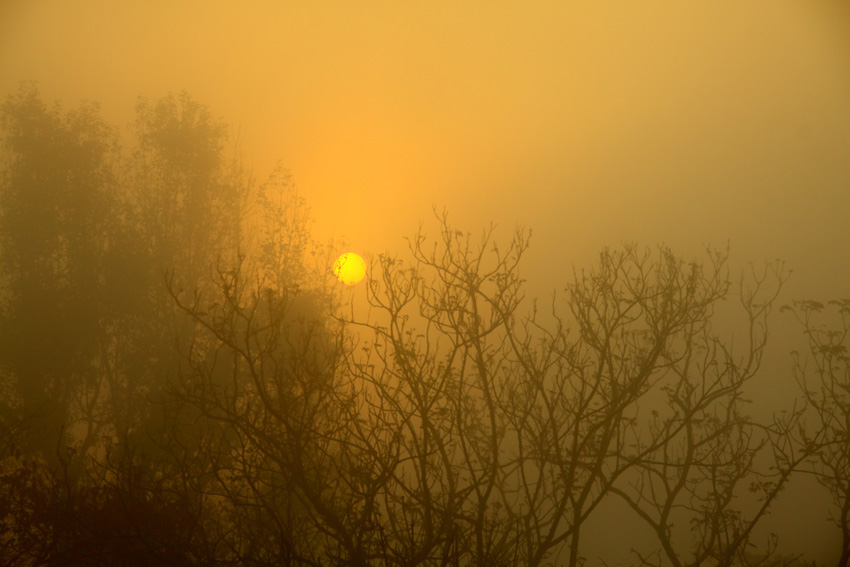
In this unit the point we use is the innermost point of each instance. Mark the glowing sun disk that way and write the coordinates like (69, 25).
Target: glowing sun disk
(349, 268)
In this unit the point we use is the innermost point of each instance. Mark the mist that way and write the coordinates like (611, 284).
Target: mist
(667, 129)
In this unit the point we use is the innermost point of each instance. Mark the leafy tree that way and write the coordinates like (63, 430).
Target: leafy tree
(184, 206)
(88, 330)
(187, 199)
(61, 257)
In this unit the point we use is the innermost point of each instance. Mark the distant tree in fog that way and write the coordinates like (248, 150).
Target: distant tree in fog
(187, 199)
(87, 331)
(262, 369)
(62, 263)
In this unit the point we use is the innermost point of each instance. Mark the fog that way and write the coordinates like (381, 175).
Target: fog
(590, 123)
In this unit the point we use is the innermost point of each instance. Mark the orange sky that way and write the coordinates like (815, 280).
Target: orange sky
(588, 122)
(591, 123)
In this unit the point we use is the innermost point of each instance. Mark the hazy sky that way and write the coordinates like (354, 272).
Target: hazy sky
(590, 122)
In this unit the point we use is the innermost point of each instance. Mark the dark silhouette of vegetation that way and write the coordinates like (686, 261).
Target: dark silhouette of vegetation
(824, 379)
(181, 382)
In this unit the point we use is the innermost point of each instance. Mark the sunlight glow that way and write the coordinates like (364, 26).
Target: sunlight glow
(349, 268)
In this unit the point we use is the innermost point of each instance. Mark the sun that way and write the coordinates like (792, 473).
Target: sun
(349, 268)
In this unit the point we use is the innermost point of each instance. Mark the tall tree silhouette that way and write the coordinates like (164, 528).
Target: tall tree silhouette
(88, 330)
(186, 196)
(59, 246)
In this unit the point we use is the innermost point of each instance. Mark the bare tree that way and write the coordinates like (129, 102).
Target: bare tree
(701, 453)
(512, 430)
(582, 391)
(823, 375)
(436, 387)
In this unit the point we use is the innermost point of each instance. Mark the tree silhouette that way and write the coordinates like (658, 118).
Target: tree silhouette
(507, 433)
(697, 454)
(88, 331)
(183, 384)
(823, 375)
(61, 256)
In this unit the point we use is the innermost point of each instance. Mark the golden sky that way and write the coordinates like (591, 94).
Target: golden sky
(589, 122)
